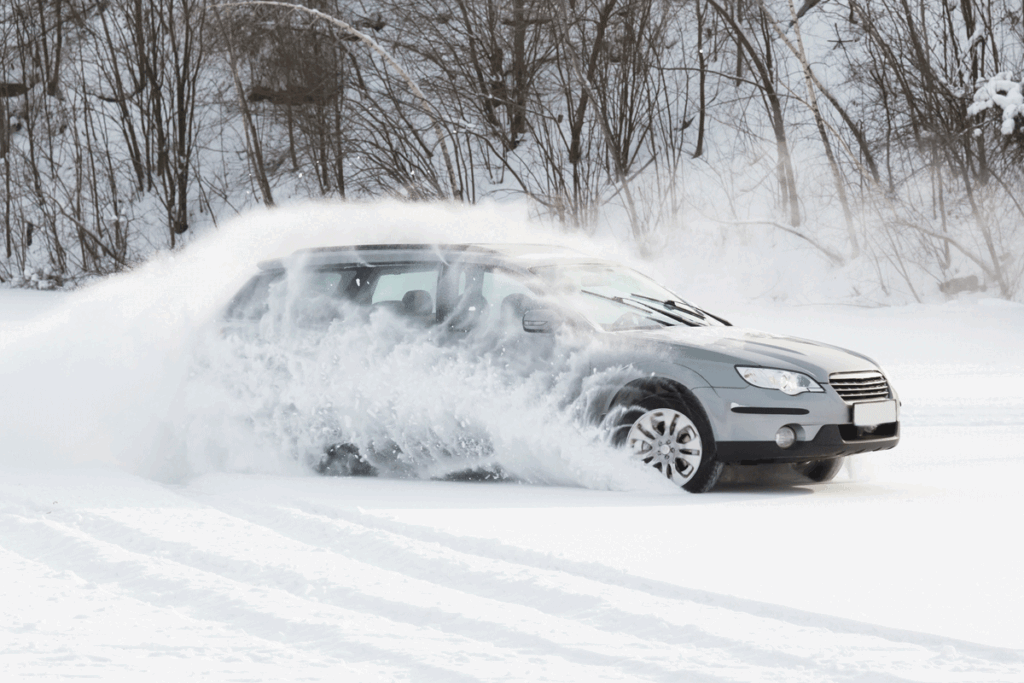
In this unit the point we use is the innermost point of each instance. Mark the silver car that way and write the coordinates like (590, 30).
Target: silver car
(691, 392)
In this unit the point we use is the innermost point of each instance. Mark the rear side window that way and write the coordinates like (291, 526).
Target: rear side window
(396, 286)
(318, 283)
(318, 296)
(314, 297)
(311, 294)
(251, 303)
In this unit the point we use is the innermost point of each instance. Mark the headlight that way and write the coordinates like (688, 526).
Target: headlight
(786, 381)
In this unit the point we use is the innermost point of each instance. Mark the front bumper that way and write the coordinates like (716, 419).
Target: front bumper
(745, 422)
(831, 441)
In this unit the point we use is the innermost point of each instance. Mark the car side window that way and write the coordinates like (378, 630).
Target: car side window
(317, 283)
(508, 299)
(314, 295)
(488, 297)
(497, 285)
(410, 292)
(252, 302)
(318, 296)
(394, 286)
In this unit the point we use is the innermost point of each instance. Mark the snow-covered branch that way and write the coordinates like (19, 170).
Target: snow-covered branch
(1001, 92)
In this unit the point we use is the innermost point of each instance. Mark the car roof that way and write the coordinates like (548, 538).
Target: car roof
(512, 254)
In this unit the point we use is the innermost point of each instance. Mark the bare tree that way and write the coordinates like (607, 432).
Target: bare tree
(759, 51)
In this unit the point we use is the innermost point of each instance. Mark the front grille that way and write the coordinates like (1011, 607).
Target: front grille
(854, 387)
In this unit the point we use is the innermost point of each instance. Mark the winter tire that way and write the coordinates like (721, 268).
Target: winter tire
(665, 428)
(344, 460)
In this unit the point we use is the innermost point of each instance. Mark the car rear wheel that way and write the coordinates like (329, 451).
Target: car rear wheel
(668, 432)
(821, 470)
(344, 460)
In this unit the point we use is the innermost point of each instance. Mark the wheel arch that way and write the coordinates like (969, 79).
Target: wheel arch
(638, 376)
(656, 385)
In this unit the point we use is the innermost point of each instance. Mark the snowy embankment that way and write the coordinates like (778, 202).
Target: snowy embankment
(905, 568)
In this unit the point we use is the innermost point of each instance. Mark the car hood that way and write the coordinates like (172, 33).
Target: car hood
(739, 345)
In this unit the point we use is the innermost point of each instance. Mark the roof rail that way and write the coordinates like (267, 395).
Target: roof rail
(385, 247)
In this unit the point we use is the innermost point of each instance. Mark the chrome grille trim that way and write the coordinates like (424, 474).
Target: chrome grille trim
(855, 387)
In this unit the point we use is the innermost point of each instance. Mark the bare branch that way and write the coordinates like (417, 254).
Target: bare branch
(376, 47)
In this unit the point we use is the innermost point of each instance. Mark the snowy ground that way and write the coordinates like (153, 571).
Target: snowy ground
(906, 568)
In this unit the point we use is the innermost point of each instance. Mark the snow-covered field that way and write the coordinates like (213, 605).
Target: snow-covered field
(907, 567)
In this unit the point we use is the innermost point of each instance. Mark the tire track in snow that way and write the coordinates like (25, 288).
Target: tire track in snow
(334, 579)
(839, 646)
(673, 623)
(55, 625)
(277, 612)
(731, 638)
(418, 653)
(617, 602)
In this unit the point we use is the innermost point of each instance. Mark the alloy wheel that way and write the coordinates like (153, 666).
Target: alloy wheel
(668, 441)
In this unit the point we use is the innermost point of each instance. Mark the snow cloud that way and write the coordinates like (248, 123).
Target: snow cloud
(133, 370)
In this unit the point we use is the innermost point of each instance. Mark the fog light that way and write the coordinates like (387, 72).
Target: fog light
(785, 437)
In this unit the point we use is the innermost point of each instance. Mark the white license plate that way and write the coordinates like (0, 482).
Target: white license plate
(874, 413)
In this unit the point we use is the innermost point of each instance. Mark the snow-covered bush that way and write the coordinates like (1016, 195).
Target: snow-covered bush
(38, 278)
(1004, 93)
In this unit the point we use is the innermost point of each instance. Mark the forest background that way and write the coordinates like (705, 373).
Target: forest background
(883, 133)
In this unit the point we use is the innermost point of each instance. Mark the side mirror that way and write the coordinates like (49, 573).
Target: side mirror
(541, 320)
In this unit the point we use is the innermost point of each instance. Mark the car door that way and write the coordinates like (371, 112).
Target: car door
(476, 298)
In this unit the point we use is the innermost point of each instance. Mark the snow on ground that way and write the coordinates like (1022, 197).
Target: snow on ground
(905, 568)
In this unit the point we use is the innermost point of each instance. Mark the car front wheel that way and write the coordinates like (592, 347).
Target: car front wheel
(669, 432)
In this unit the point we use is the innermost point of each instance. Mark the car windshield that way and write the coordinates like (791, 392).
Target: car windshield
(619, 298)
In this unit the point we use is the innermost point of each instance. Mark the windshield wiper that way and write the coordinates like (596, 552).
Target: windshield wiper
(684, 307)
(645, 307)
(637, 305)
